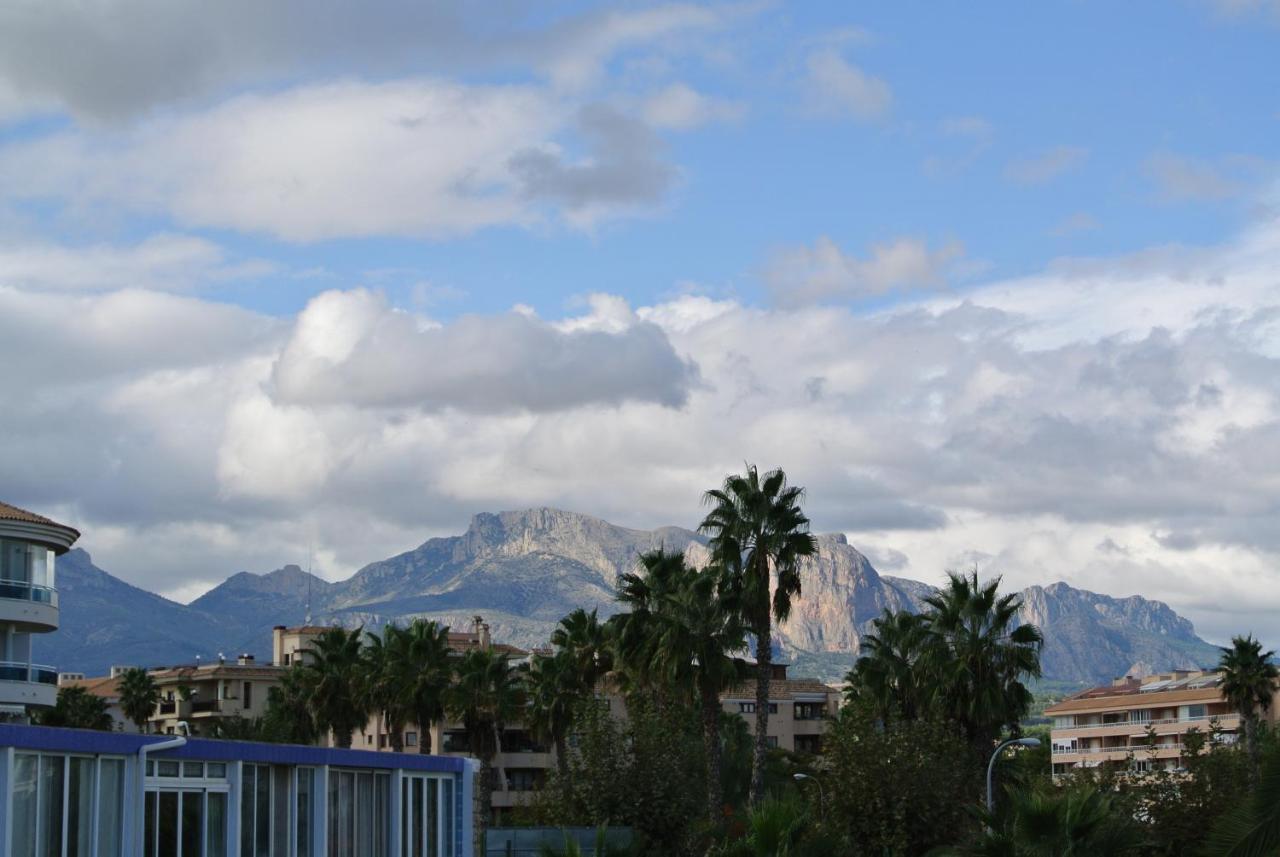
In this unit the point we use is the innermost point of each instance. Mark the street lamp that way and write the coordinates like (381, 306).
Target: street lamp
(1021, 742)
(822, 798)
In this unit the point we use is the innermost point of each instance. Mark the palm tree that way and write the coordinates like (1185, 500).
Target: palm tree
(1248, 683)
(430, 671)
(139, 695)
(888, 673)
(486, 694)
(758, 531)
(390, 665)
(585, 644)
(1078, 821)
(336, 673)
(289, 717)
(1252, 827)
(554, 695)
(694, 647)
(658, 573)
(977, 657)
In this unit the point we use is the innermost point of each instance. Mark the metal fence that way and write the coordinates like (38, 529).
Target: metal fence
(529, 841)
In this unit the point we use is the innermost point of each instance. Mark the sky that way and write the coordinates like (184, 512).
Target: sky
(311, 282)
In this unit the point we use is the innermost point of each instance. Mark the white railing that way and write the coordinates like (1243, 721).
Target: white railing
(1130, 724)
(21, 590)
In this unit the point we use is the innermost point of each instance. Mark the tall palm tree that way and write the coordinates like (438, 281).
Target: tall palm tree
(336, 673)
(585, 644)
(486, 694)
(430, 668)
(888, 673)
(978, 656)
(759, 532)
(139, 695)
(643, 591)
(1248, 683)
(694, 647)
(554, 695)
(390, 667)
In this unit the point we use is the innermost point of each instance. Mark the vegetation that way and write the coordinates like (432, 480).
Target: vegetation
(334, 671)
(1248, 682)
(76, 708)
(139, 696)
(759, 533)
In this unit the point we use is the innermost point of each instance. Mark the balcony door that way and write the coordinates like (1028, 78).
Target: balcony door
(185, 822)
(427, 816)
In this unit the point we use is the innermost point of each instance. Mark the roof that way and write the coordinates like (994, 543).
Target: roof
(217, 670)
(62, 535)
(103, 686)
(781, 689)
(1144, 692)
(55, 739)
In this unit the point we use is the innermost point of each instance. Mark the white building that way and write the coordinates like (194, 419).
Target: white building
(28, 607)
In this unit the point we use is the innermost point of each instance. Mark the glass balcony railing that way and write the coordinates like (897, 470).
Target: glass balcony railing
(20, 590)
(36, 673)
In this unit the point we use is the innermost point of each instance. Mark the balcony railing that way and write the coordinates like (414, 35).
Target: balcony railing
(36, 673)
(20, 590)
(1130, 724)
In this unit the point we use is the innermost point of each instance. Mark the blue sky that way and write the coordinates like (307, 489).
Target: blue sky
(994, 281)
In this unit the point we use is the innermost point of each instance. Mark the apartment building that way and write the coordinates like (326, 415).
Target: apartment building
(29, 544)
(800, 710)
(1114, 725)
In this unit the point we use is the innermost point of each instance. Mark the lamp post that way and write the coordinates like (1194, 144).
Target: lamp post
(822, 798)
(1022, 742)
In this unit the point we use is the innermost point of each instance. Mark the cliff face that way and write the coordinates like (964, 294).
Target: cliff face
(524, 570)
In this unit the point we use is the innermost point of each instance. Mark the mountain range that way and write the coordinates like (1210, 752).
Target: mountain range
(522, 571)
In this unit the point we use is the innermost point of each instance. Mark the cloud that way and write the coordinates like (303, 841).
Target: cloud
(1046, 166)
(417, 158)
(1182, 179)
(681, 107)
(802, 274)
(352, 348)
(835, 87)
(133, 56)
(162, 261)
(621, 170)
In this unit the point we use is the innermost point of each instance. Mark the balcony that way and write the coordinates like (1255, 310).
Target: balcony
(27, 684)
(29, 606)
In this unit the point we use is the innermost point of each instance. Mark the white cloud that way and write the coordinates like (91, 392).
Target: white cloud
(801, 274)
(163, 261)
(682, 107)
(1183, 179)
(419, 158)
(836, 87)
(1046, 166)
(352, 348)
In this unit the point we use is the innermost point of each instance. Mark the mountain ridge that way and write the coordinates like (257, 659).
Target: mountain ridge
(524, 569)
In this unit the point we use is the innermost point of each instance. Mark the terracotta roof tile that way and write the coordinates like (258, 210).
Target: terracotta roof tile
(780, 689)
(13, 513)
(103, 686)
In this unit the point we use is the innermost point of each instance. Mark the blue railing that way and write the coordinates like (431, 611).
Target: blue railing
(22, 591)
(37, 673)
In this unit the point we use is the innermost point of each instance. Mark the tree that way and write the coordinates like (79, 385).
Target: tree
(1248, 683)
(430, 668)
(486, 694)
(288, 718)
(889, 675)
(389, 667)
(759, 532)
(335, 674)
(1252, 827)
(77, 708)
(633, 633)
(693, 647)
(977, 657)
(139, 695)
(554, 695)
(1080, 820)
(585, 645)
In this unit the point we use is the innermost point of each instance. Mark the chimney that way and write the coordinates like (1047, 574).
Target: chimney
(485, 641)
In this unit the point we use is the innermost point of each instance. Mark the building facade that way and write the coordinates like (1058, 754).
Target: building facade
(1141, 723)
(800, 710)
(100, 794)
(29, 544)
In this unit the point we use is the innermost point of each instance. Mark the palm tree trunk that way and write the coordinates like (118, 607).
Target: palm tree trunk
(711, 740)
(562, 755)
(1251, 743)
(764, 667)
(395, 736)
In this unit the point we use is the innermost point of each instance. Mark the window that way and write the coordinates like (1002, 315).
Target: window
(286, 659)
(306, 786)
(54, 800)
(750, 708)
(255, 810)
(810, 711)
(811, 744)
(523, 779)
(411, 739)
(1197, 712)
(358, 815)
(771, 741)
(248, 694)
